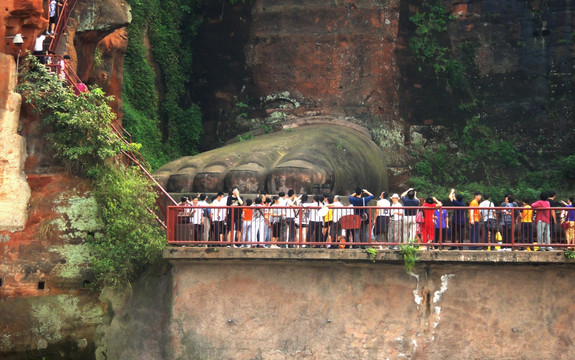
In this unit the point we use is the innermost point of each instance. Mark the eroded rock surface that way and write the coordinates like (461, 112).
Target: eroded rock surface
(314, 158)
(14, 189)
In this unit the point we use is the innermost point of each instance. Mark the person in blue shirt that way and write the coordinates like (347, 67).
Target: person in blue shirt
(458, 219)
(361, 198)
(409, 199)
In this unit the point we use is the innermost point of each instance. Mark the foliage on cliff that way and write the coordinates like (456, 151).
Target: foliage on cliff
(78, 129)
(476, 156)
(157, 109)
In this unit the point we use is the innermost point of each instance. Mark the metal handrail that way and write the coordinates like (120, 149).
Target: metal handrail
(62, 23)
(516, 235)
(74, 80)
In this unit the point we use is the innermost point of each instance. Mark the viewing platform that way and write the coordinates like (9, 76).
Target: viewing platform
(357, 256)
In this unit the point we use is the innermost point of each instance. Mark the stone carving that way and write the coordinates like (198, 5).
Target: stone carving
(315, 158)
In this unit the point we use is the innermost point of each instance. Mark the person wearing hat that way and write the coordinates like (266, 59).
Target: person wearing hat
(395, 224)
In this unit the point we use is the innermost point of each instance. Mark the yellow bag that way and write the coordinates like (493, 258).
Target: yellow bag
(498, 238)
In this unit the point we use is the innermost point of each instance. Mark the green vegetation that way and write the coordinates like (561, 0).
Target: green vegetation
(484, 162)
(410, 253)
(78, 129)
(371, 253)
(426, 44)
(169, 127)
(475, 157)
(157, 105)
(569, 254)
(246, 137)
(431, 48)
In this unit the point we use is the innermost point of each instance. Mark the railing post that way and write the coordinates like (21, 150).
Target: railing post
(440, 226)
(513, 229)
(170, 221)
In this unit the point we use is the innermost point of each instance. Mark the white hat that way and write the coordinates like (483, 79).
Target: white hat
(395, 196)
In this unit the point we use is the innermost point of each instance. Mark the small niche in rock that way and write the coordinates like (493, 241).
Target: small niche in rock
(41, 285)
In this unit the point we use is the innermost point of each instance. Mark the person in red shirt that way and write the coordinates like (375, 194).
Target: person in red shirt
(543, 221)
(428, 227)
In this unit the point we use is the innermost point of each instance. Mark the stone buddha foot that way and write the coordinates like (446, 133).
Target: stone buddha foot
(320, 158)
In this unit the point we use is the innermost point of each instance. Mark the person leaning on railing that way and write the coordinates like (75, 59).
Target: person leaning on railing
(489, 219)
(360, 198)
(543, 221)
(247, 214)
(427, 229)
(382, 219)
(218, 217)
(396, 218)
(526, 217)
(474, 220)
(568, 221)
(409, 199)
(458, 228)
(507, 218)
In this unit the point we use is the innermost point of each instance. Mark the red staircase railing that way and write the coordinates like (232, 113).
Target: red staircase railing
(163, 199)
(62, 23)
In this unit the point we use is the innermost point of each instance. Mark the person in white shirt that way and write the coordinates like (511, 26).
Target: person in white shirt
(336, 206)
(314, 230)
(275, 216)
(259, 222)
(184, 218)
(304, 217)
(196, 220)
(489, 219)
(290, 216)
(396, 217)
(218, 217)
(39, 47)
(206, 216)
(382, 219)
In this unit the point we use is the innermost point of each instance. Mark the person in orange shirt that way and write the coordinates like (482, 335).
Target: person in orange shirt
(474, 218)
(526, 217)
(247, 214)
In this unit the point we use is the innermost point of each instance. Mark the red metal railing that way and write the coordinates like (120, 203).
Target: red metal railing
(274, 226)
(163, 199)
(67, 8)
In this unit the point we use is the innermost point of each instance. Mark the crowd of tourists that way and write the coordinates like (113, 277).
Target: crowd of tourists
(287, 220)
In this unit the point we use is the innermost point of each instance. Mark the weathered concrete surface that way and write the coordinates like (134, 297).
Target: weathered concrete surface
(297, 304)
(314, 158)
(14, 189)
(355, 256)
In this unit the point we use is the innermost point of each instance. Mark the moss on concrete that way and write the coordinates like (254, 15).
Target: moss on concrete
(79, 217)
(76, 261)
(57, 315)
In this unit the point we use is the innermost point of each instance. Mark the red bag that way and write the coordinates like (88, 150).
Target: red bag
(350, 222)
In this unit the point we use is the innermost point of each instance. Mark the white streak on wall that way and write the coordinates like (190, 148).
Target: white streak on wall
(444, 282)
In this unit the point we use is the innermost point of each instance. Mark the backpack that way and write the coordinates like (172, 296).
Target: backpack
(420, 218)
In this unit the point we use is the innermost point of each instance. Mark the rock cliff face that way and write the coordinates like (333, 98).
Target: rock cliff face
(46, 214)
(353, 59)
(288, 61)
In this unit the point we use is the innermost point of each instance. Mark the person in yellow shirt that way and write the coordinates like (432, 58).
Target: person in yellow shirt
(474, 218)
(526, 217)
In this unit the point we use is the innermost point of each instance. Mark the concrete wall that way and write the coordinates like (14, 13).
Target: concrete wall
(322, 304)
